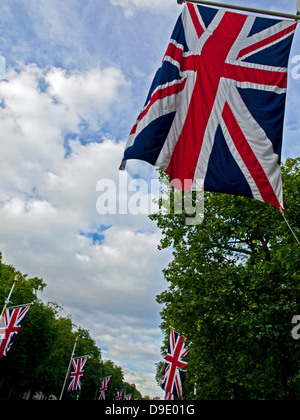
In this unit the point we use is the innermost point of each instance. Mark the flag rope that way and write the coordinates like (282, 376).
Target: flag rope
(244, 9)
(290, 227)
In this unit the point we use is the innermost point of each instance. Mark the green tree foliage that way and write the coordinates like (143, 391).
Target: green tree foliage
(117, 382)
(39, 358)
(233, 291)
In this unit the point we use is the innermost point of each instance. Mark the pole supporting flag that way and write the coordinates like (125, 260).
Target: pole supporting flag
(7, 301)
(245, 9)
(69, 368)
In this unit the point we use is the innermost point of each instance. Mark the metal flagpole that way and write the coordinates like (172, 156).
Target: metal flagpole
(20, 306)
(68, 371)
(244, 9)
(7, 301)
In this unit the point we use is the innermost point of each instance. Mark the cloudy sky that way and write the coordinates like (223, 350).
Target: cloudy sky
(76, 74)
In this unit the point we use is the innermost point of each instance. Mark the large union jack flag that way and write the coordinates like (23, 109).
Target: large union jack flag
(215, 110)
(13, 319)
(76, 375)
(173, 376)
(104, 388)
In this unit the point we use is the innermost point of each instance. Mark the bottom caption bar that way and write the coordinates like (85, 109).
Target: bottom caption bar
(136, 409)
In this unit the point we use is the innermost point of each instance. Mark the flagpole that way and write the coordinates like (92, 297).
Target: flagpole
(68, 371)
(243, 9)
(20, 306)
(7, 301)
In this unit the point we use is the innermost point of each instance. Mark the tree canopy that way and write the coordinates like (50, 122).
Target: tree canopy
(233, 289)
(39, 358)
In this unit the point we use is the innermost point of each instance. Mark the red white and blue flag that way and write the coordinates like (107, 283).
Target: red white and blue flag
(104, 388)
(12, 322)
(119, 395)
(169, 396)
(215, 110)
(77, 372)
(173, 376)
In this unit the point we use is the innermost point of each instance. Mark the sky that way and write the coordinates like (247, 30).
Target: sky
(76, 74)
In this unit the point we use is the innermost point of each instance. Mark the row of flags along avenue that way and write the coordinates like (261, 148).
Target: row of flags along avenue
(172, 380)
(12, 320)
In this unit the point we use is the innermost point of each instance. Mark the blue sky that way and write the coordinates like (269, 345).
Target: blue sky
(77, 74)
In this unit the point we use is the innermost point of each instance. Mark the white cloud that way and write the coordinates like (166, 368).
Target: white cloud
(88, 94)
(104, 270)
(131, 6)
(143, 378)
(34, 122)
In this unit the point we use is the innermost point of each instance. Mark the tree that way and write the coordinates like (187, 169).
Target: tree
(233, 291)
(116, 382)
(92, 373)
(131, 389)
(39, 358)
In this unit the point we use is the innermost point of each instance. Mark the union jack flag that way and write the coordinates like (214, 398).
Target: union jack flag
(215, 109)
(13, 319)
(128, 397)
(76, 375)
(169, 396)
(173, 376)
(104, 388)
(119, 395)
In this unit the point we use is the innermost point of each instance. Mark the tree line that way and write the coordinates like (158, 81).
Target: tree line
(233, 290)
(39, 358)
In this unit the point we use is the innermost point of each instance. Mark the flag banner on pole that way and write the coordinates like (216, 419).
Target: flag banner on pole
(119, 395)
(215, 109)
(173, 376)
(76, 374)
(10, 327)
(104, 388)
(128, 397)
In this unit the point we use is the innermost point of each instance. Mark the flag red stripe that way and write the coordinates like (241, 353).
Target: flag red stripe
(174, 52)
(173, 89)
(254, 167)
(195, 19)
(256, 76)
(214, 53)
(264, 42)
